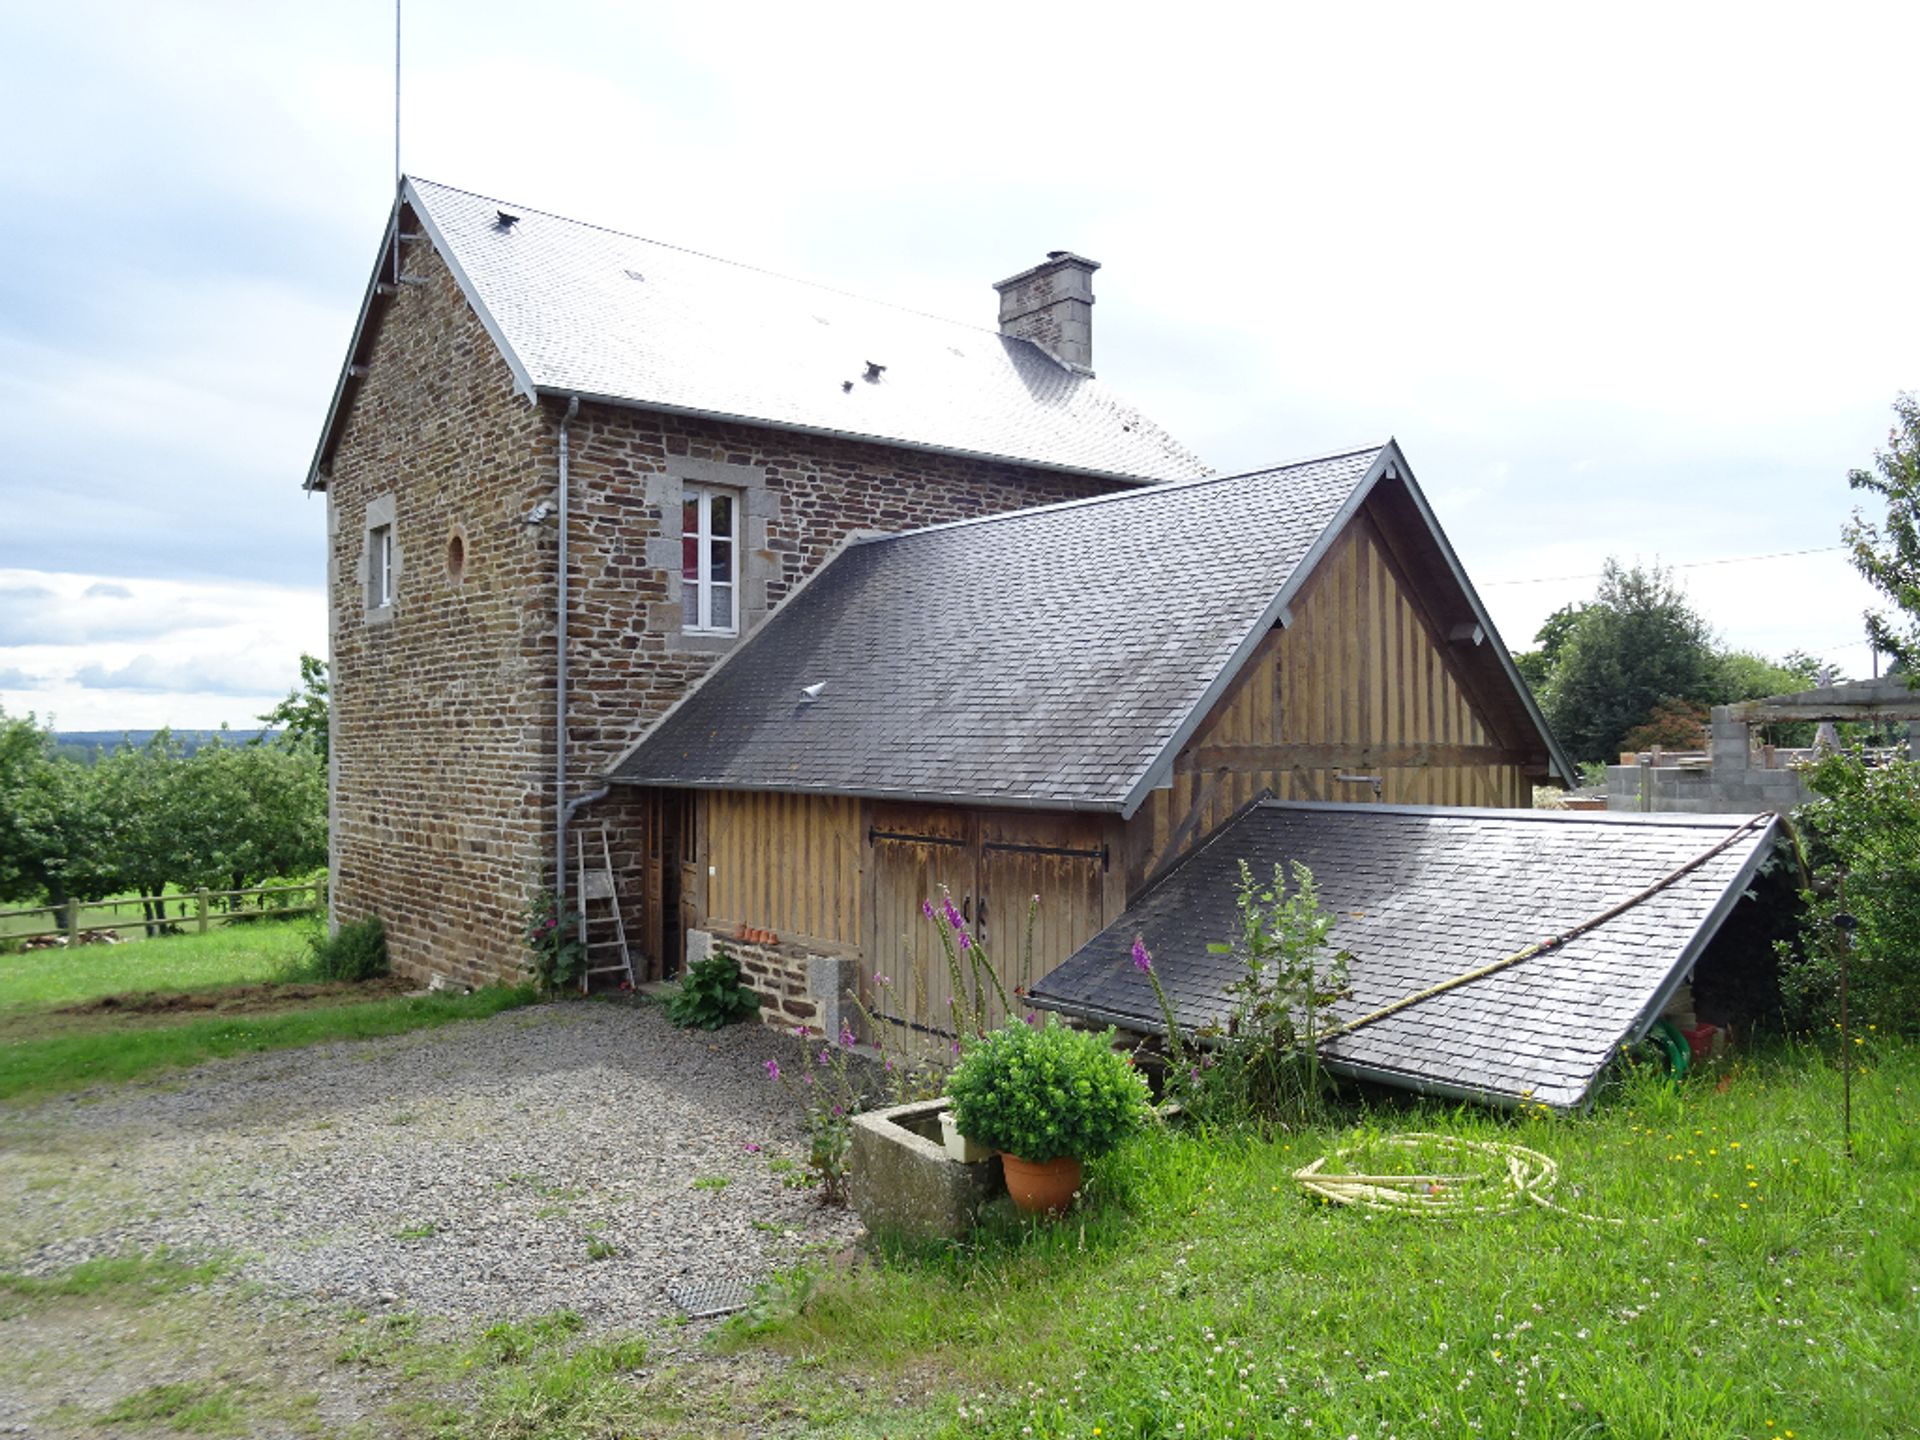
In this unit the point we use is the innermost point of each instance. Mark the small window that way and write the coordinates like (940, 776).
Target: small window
(709, 561)
(379, 567)
(456, 557)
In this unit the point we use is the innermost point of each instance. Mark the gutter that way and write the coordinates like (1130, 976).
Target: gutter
(562, 810)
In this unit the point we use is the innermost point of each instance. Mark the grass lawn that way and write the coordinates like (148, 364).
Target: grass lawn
(1761, 1286)
(47, 1046)
(236, 955)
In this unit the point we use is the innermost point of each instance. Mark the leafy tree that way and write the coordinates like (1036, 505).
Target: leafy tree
(1639, 643)
(1537, 666)
(1672, 725)
(149, 836)
(302, 717)
(49, 827)
(1888, 552)
(1862, 832)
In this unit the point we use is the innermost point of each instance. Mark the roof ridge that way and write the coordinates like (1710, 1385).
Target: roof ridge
(1134, 492)
(744, 265)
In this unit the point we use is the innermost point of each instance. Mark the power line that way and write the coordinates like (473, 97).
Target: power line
(1690, 565)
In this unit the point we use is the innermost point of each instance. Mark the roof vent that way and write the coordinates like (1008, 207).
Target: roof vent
(633, 274)
(506, 221)
(874, 371)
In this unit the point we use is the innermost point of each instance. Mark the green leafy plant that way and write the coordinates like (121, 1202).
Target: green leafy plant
(553, 936)
(712, 995)
(1862, 838)
(354, 952)
(828, 1098)
(1261, 1064)
(1041, 1092)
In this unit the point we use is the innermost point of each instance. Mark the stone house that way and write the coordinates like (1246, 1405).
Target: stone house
(685, 439)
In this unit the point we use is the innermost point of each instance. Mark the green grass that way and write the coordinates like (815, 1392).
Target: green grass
(535, 1379)
(126, 1277)
(1761, 1284)
(192, 1408)
(30, 1067)
(241, 954)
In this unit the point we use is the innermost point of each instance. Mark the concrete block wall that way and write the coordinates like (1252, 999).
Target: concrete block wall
(1741, 790)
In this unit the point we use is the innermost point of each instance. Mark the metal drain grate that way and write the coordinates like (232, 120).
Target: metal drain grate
(706, 1299)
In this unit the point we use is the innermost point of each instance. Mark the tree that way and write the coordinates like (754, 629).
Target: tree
(1639, 643)
(1887, 552)
(302, 717)
(1672, 725)
(1537, 667)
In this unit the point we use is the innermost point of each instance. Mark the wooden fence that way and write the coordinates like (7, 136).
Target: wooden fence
(199, 910)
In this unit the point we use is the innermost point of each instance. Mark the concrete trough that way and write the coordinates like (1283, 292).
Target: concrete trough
(902, 1181)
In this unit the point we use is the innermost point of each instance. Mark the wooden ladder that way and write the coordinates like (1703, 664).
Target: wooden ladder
(603, 934)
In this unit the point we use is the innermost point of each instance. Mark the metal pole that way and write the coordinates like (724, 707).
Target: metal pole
(1845, 924)
(560, 675)
(397, 172)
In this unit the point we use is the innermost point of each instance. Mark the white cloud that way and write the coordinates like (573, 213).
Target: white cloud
(103, 653)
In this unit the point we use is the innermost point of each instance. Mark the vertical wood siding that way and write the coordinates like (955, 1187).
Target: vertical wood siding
(1358, 666)
(787, 863)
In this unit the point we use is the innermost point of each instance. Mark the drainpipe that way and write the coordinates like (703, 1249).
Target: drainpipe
(562, 811)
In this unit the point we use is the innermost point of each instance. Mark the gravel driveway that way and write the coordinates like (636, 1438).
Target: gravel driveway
(465, 1172)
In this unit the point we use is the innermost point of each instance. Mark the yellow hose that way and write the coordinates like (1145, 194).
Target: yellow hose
(1516, 1174)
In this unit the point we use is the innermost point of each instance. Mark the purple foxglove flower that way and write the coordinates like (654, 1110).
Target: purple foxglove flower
(1142, 957)
(926, 908)
(847, 1037)
(966, 941)
(953, 915)
(826, 1057)
(753, 1147)
(773, 1069)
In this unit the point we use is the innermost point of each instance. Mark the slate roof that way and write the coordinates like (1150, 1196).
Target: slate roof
(581, 310)
(1046, 657)
(1427, 893)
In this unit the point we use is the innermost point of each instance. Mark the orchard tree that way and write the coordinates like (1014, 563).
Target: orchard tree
(1887, 552)
(302, 717)
(1639, 643)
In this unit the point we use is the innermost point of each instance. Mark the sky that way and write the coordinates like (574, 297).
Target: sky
(1633, 282)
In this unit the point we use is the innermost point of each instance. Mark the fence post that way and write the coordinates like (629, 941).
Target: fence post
(320, 898)
(200, 904)
(73, 922)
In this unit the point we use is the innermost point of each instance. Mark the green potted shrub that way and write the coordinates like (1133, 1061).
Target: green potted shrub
(1047, 1098)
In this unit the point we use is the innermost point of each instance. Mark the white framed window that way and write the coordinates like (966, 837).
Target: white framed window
(709, 561)
(379, 566)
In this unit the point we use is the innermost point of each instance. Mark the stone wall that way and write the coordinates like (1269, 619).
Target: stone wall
(443, 701)
(796, 987)
(439, 700)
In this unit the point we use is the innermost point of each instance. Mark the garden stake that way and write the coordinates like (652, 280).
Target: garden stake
(1844, 925)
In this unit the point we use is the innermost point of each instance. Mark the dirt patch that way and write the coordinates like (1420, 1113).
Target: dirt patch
(238, 999)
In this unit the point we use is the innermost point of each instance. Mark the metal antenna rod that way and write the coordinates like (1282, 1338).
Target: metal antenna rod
(396, 141)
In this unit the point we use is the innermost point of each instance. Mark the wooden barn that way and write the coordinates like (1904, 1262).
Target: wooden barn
(1044, 710)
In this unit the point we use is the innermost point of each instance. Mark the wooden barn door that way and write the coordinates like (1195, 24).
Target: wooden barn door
(993, 864)
(916, 850)
(1050, 866)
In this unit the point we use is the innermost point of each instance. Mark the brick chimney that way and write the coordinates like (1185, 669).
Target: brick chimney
(1052, 305)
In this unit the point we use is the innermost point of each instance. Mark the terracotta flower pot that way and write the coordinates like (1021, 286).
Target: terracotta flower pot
(1042, 1187)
